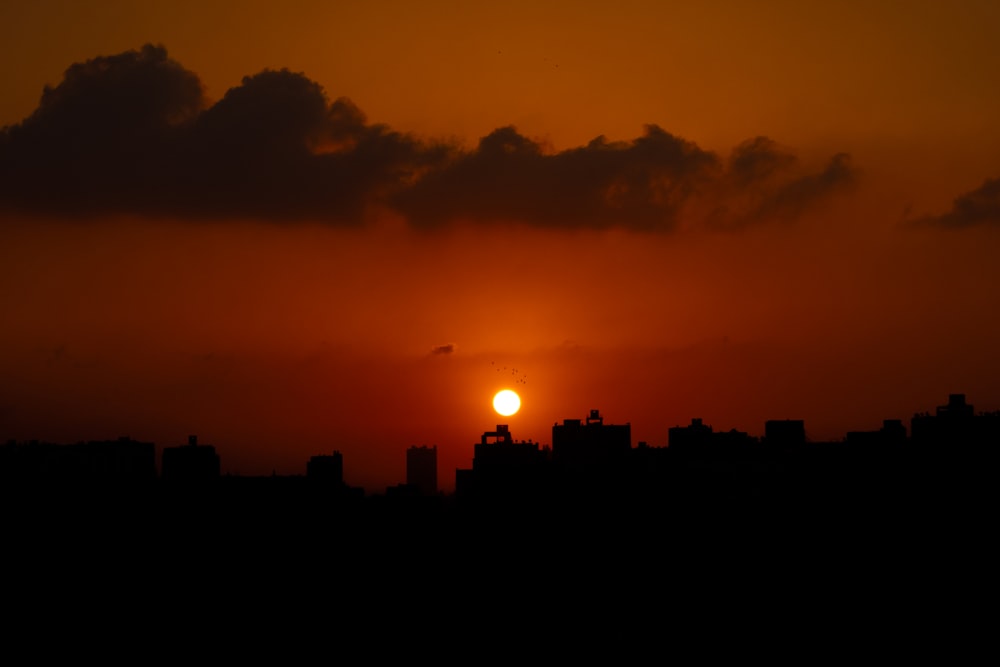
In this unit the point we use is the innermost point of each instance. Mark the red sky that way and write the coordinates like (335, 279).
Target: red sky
(281, 264)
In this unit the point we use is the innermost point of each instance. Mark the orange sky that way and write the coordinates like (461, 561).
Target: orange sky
(811, 294)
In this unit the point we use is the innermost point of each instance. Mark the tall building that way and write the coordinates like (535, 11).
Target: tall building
(421, 469)
(326, 468)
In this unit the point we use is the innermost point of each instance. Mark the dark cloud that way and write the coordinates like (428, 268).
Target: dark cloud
(133, 134)
(758, 159)
(447, 348)
(98, 133)
(643, 183)
(975, 208)
(655, 182)
(765, 182)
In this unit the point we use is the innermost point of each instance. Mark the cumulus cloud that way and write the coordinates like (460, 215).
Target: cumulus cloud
(656, 182)
(975, 208)
(509, 177)
(97, 133)
(133, 134)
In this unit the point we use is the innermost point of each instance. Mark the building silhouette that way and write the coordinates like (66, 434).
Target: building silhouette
(503, 467)
(121, 460)
(700, 442)
(691, 439)
(893, 432)
(950, 453)
(590, 442)
(959, 446)
(591, 457)
(955, 425)
(421, 469)
(191, 462)
(327, 468)
(782, 434)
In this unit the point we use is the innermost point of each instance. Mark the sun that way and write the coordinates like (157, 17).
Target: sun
(506, 402)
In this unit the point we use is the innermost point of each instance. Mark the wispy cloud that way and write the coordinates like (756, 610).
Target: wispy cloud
(977, 207)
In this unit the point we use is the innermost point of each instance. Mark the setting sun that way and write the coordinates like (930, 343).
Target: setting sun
(506, 402)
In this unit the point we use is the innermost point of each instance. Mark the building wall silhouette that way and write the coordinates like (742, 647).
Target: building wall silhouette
(699, 441)
(502, 466)
(191, 462)
(327, 468)
(421, 469)
(590, 442)
(784, 433)
(121, 460)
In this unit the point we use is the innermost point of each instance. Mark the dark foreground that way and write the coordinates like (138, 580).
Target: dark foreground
(795, 570)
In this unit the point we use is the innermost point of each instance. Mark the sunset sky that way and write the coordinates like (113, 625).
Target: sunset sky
(293, 228)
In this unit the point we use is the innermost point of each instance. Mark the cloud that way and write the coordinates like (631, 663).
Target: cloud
(765, 182)
(656, 182)
(98, 132)
(133, 134)
(447, 348)
(975, 208)
(275, 148)
(509, 177)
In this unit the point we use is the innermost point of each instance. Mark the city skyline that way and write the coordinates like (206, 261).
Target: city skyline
(569, 441)
(291, 230)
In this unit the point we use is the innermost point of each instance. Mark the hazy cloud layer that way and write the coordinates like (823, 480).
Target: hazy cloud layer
(977, 207)
(133, 134)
